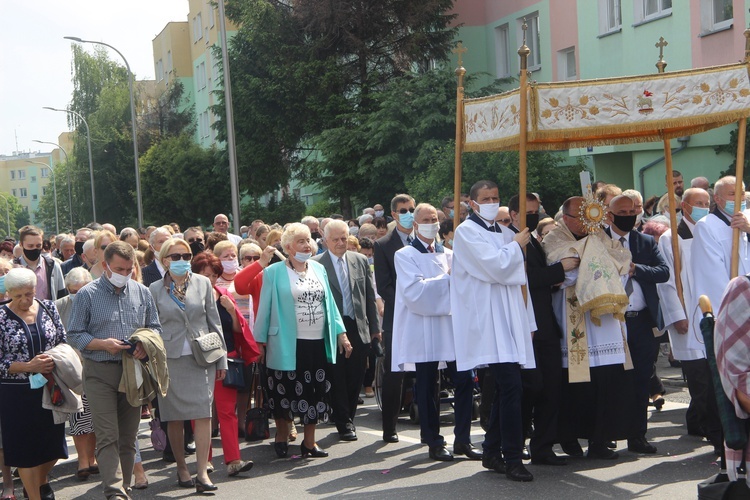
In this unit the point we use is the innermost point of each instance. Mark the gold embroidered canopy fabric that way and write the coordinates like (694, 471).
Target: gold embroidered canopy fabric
(585, 113)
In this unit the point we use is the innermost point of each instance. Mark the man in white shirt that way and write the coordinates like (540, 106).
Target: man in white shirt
(221, 225)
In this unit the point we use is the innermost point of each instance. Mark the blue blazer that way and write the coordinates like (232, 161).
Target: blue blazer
(276, 322)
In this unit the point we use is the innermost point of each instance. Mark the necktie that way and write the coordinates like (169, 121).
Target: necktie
(409, 239)
(346, 292)
(629, 283)
(430, 249)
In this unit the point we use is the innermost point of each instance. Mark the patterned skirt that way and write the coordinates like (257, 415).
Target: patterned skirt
(303, 392)
(81, 423)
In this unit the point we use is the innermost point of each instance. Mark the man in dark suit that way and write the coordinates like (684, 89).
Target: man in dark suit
(352, 288)
(76, 260)
(545, 381)
(402, 210)
(155, 271)
(648, 268)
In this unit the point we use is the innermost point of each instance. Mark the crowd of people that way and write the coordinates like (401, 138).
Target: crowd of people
(555, 327)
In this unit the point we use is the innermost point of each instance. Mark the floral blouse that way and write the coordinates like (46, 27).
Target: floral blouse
(16, 343)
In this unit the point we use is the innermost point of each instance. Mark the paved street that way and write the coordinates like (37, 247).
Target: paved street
(369, 468)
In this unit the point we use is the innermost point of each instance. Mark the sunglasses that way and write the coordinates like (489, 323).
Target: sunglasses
(504, 221)
(251, 258)
(404, 210)
(177, 256)
(192, 240)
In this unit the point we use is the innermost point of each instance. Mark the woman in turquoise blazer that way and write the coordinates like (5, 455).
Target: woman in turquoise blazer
(300, 328)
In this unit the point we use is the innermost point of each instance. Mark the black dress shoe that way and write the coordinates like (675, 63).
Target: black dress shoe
(203, 487)
(185, 484)
(348, 435)
(315, 452)
(495, 464)
(549, 459)
(517, 472)
(46, 493)
(390, 437)
(612, 445)
(441, 454)
(471, 452)
(190, 448)
(281, 448)
(168, 457)
(601, 452)
(640, 445)
(525, 455)
(572, 448)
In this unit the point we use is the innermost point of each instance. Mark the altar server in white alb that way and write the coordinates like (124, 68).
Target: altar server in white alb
(423, 335)
(684, 325)
(711, 252)
(491, 323)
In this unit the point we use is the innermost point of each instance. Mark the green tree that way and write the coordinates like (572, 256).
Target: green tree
(545, 175)
(184, 183)
(289, 209)
(11, 211)
(731, 148)
(45, 213)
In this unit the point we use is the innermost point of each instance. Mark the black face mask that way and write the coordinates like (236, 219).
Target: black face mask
(315, 235)
(32, 255)
(532, 221)
(197, 247)
(624, 222)
(79, 247)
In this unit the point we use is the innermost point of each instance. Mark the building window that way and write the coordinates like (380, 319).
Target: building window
(44, 190)
(566, 64)
(23, 192)
(33, 178)
(13, 192)
(159, 70)
(12, 175)
(33, 197)
(21, 175)
(169, 64)
(716, 15)
(45, 172)
(502, 51)
(646, 10)
(202, 75)
(610, 16)
(211, 14)
(532, 40)
(197, 28)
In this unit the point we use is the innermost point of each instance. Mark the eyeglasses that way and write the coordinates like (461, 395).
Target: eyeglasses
(221, 223)
(504, 221)
(251, 258)
(404, 210)
(177, 256)
(192, 240)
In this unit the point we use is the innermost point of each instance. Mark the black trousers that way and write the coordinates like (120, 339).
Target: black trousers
(346, 382)
(504, 437)
(703, 400)
(544, 397)
(428, 402)
(391, 394)
(643, 349)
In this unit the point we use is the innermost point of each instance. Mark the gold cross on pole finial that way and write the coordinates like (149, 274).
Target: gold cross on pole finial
(524, 27)
(660, 45)
(460, 50)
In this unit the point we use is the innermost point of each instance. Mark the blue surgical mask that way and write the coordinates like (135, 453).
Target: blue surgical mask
(697, 213)
(729, 207)
(244, 235)
(180, 267)
(370, 260)
(37, 381)
(451, 214)
(406, 220)
(2, 284)
(302, 257)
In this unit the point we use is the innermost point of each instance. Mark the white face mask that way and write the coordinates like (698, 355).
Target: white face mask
(379, 213)
(488, 211)
(638, 219)
(117, 280)
(429, 231)
(230, 266)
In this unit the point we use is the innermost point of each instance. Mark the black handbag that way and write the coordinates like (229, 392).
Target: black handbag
(257, 415)
(235, 377)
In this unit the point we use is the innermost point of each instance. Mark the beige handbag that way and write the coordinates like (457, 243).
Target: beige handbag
(208, 348)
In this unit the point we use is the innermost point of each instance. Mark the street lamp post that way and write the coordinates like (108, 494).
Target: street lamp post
(132, 118)
(91, 162)
(54, 191)
(67, 161)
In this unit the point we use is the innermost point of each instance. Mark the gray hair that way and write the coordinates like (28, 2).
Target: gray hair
(292, 231)
(724, 182)
(633, 195)
(249, 247)
(365, 218)
(333, 225)
(88, 244)
(308, 219)
(20, 277)
(127, 232)
(421, 207)
(400, 198)
(77, 276)
(157, 231)
(67, 239)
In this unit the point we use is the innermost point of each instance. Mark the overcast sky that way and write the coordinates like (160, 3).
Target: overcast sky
(35, 60)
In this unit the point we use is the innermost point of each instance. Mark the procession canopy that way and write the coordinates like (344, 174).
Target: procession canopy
(583, 113)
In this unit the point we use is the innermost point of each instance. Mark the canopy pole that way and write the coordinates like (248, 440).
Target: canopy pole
(661, 65)
(460, 72)
(739, 195)
(523, 118)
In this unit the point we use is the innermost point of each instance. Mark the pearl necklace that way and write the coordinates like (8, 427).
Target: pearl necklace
(301, 274)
